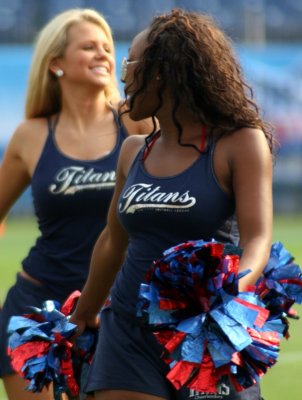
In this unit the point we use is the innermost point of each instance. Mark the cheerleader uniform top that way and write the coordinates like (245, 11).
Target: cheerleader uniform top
(71, 199)
(160, 212)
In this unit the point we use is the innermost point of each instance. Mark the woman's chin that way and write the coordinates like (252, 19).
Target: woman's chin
(135, 115)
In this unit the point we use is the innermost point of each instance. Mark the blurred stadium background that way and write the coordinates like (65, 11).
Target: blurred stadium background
(267, 35)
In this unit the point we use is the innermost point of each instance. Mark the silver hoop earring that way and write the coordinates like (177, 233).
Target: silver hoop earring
(59, 73)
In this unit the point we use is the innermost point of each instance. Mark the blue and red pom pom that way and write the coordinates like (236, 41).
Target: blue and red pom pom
(207, 328)
(41, 350)
(191, 300)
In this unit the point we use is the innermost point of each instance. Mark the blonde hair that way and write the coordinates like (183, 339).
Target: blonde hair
(44, 93)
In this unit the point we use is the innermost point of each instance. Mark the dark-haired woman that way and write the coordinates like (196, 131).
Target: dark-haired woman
(209, 165)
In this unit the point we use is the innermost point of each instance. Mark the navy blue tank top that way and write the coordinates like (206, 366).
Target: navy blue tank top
(71, 198)
(160, 212)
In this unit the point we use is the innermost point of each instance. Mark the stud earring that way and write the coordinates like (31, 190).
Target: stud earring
(59, 73)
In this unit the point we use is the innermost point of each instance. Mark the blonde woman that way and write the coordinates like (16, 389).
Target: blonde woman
(67, 150)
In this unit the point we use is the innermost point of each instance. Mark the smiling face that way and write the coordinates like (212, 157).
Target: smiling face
(88, 58)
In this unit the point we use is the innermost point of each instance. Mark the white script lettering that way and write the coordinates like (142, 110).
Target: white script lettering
(73, 179)
(142, 195)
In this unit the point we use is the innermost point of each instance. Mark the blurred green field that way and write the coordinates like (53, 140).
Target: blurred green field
(280, 383)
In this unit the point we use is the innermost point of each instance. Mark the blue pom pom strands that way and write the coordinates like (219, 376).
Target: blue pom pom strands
(281, 284)
(41, 351)
(207, 328)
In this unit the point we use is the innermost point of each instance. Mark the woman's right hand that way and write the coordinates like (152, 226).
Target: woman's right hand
(82, 324)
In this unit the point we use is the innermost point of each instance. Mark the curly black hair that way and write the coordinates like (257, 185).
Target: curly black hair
(196, 62)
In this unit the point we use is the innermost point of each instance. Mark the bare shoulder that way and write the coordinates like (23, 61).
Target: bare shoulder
(246, 143)
(132, 144)
(248, 136)
(29, 132)
(130, 148)
(27, 141)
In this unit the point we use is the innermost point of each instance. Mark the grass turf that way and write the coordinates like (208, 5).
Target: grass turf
(281, 382)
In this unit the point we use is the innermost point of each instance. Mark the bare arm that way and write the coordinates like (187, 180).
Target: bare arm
(14, 173)
(251, 168)
(109, 250)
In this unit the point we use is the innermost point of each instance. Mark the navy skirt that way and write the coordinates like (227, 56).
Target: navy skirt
(128, 358)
